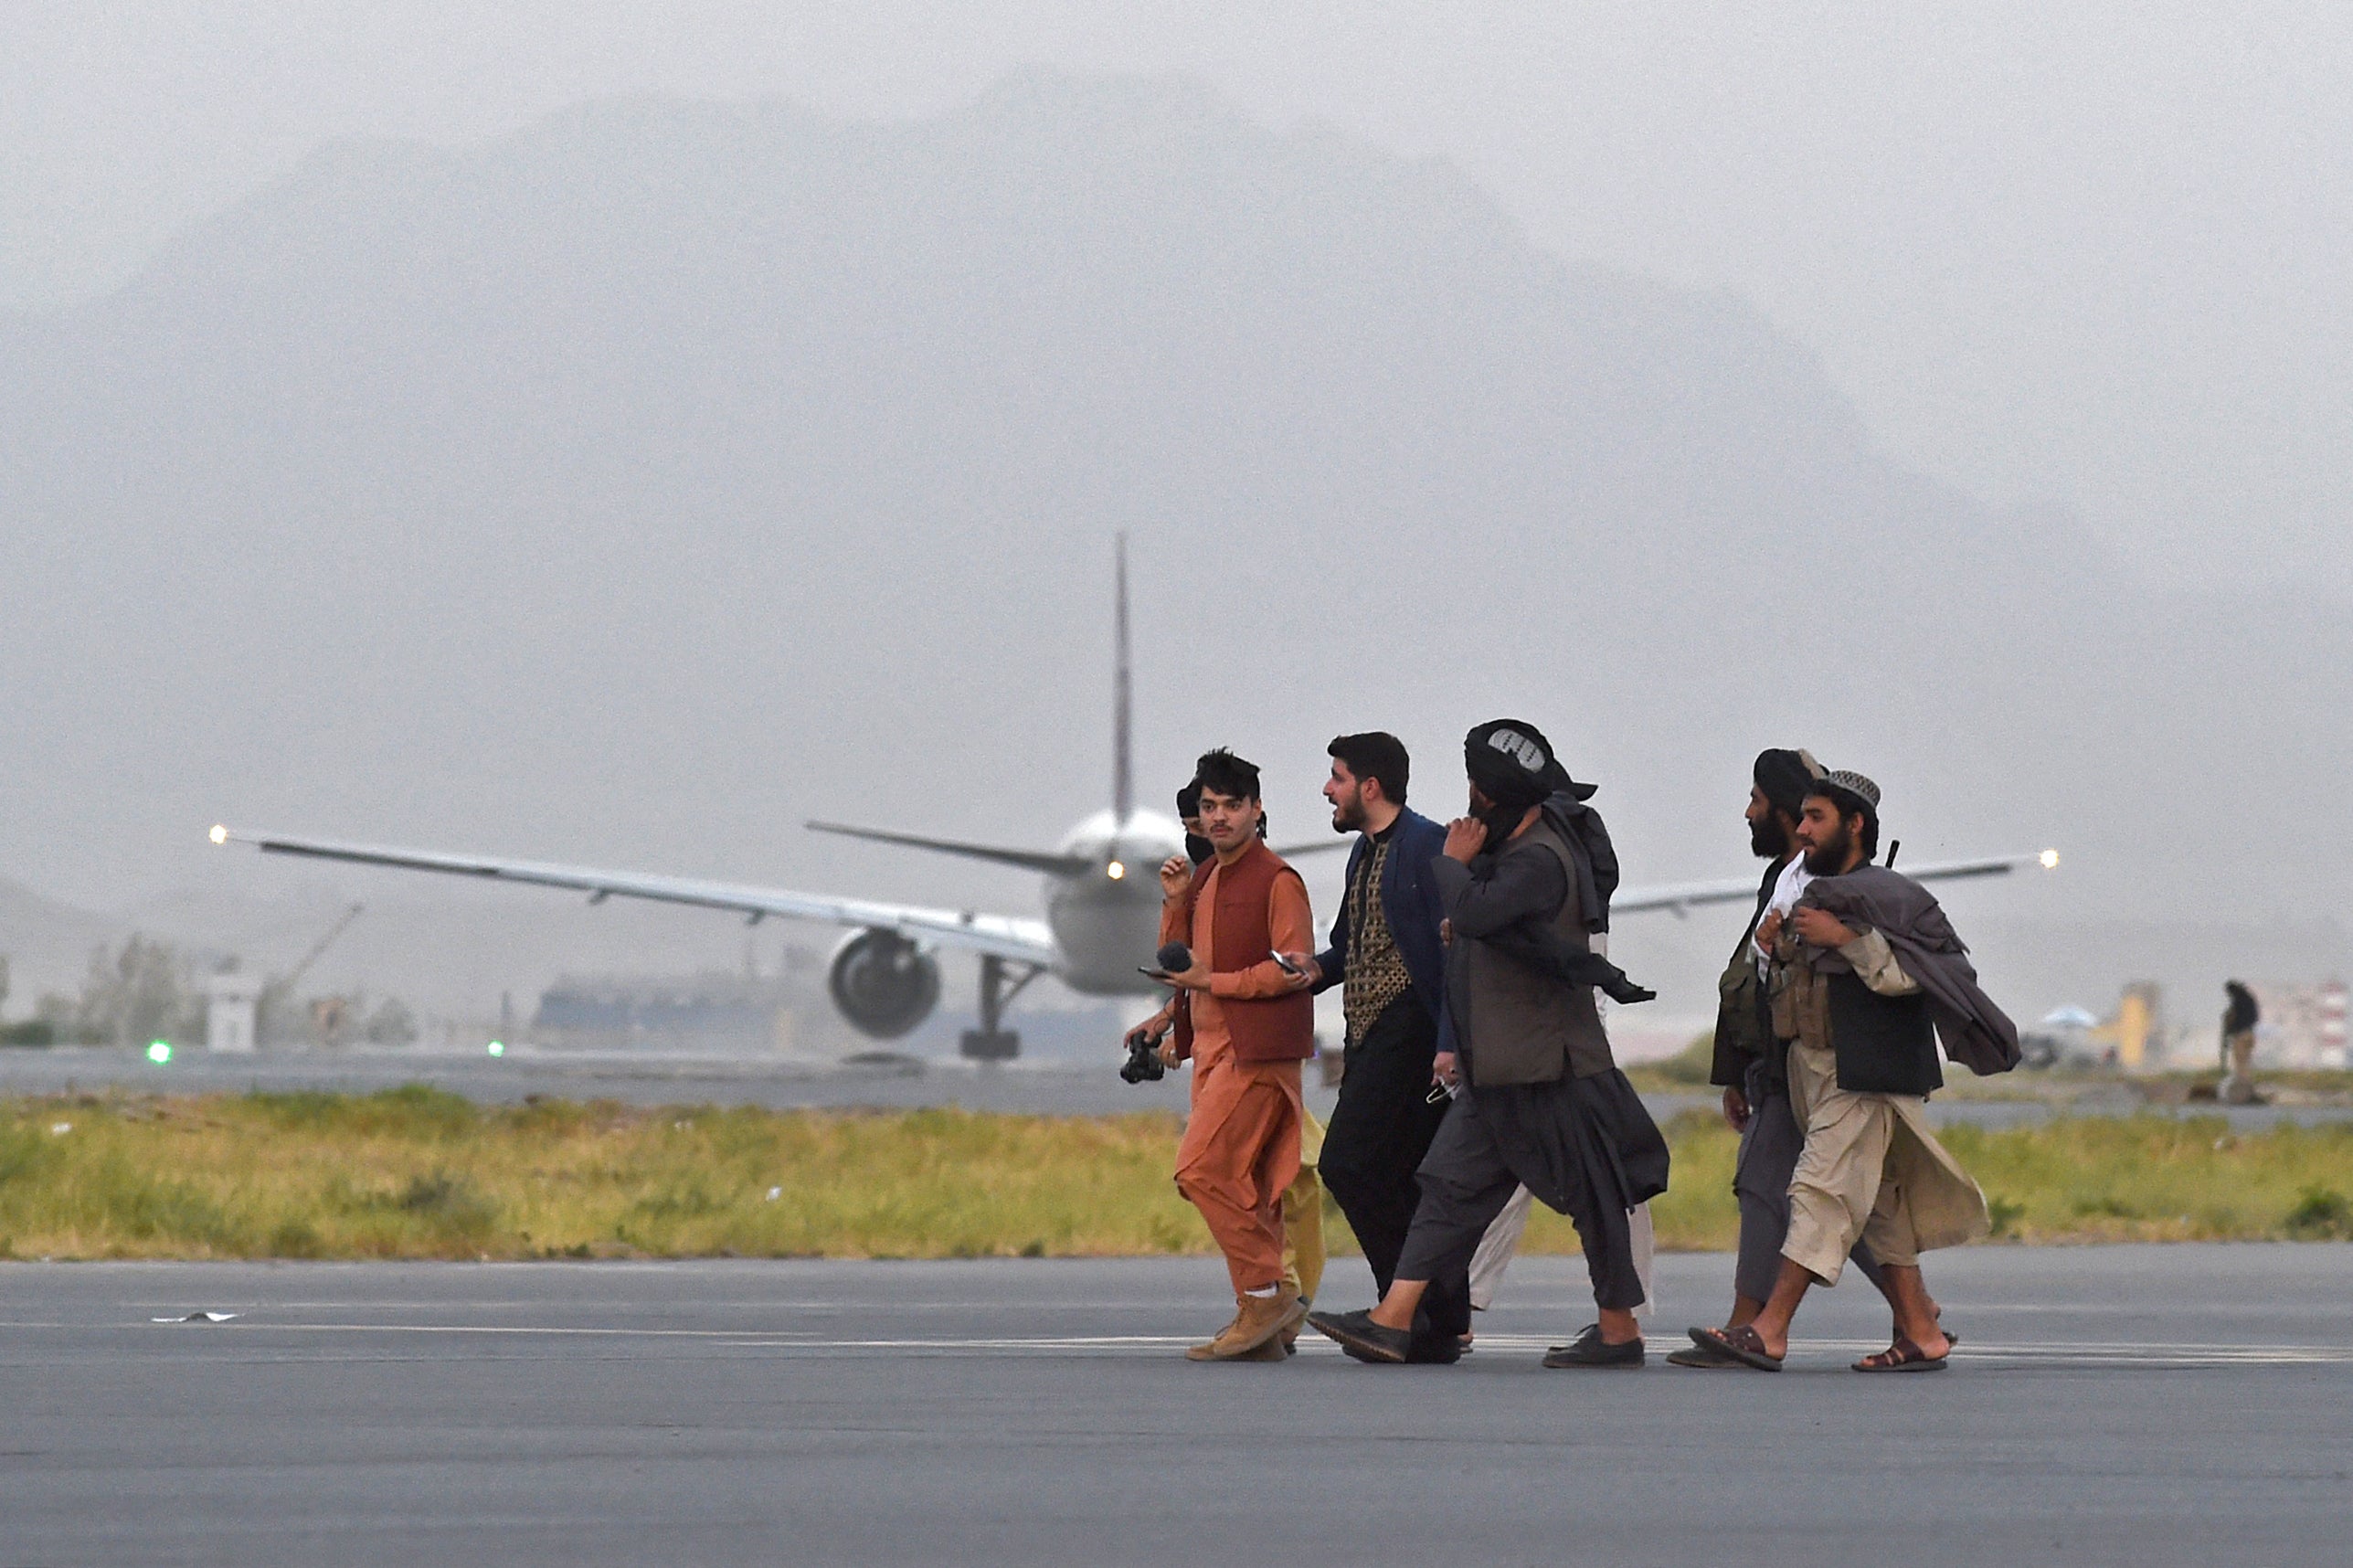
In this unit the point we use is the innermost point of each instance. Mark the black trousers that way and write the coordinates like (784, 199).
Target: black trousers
(1471, 1174)
(1375, 1141)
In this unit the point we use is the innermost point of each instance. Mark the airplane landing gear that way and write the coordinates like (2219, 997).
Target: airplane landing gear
(989, 1042)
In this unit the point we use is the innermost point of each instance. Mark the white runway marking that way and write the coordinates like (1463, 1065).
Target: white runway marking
(2055, 1354)
(2081, 1353)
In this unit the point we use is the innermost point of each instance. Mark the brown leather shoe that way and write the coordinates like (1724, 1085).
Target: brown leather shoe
(1261, 1318)
(1207, 1350)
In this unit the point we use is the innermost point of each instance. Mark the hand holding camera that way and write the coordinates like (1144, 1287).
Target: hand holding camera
(1144, 1063)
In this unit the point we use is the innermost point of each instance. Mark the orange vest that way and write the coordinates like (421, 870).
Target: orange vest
(1264, 1029)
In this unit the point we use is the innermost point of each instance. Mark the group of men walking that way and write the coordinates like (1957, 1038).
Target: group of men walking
(1479, 1070)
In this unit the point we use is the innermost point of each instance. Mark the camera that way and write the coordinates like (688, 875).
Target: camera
(1143, 1065)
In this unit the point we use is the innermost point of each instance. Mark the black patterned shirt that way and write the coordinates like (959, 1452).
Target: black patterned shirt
(1376, 970)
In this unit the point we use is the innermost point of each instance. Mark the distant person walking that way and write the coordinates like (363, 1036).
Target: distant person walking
(1524, 881)
(1252, 1024)
(1866, 972)
(2238, 1021)
(1751, 1066)
(1386, 958)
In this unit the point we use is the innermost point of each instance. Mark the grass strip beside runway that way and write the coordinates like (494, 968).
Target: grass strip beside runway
(420, 1173)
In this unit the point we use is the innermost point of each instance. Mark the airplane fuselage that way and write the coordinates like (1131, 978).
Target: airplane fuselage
(1106, 924)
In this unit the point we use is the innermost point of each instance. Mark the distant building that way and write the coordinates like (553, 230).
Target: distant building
(713, 1012)
(2303, 1026)
(232, 1001)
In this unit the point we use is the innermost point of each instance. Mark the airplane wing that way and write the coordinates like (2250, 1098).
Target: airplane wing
(1044, 862)
(1692, 894)
(1006, 937)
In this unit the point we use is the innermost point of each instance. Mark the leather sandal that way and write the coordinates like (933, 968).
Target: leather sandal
(1706, 1357)
(1741, 1344)
(1903, 1356)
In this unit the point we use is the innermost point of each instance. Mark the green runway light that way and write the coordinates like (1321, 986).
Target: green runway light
(159, 1052)
(498, 1047)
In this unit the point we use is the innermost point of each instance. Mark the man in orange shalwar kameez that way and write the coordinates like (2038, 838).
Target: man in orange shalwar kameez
(1253, 1024)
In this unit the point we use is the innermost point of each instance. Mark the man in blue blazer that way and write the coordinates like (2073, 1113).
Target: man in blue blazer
(1388, 960)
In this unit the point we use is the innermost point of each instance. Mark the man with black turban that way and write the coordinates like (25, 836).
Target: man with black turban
(1751, 1066)
(1525, 882)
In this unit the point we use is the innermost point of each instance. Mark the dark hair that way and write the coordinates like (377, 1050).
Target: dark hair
(1375, 754)
(1850, 804)
(1227, 774)
(1189, 801)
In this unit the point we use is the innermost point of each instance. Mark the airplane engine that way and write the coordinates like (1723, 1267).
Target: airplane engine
(884, 984)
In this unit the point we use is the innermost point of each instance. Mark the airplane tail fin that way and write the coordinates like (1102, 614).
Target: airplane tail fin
(1123, 760)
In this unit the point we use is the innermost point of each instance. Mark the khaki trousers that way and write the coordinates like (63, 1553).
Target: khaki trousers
(2239, 1051)
(1871, 1171)
(1303, 1255)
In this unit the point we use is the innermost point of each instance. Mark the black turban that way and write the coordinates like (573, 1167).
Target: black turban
(1785, 777)
(1513, 765)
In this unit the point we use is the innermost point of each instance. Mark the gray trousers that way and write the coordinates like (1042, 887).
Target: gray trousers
(1769, 1146)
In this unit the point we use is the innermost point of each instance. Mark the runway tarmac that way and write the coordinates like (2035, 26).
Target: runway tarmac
(2141, 1405)
(638, 1078)
(654, 1078)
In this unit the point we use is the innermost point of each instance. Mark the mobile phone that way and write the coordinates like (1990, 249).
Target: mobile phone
(1161, 975)
(1286, 965)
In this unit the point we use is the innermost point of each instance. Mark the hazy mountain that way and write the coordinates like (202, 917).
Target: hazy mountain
(629, 489)
(47, 944)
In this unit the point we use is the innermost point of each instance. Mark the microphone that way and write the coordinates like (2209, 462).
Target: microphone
(1174, 957)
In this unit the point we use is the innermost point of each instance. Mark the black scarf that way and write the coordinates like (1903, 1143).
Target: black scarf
(1581, 829)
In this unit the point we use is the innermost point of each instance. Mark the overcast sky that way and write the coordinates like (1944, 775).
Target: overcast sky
(2094, 254)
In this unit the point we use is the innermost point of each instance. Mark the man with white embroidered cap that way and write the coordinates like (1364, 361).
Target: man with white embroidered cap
(1866, 975)
(1749, 1063)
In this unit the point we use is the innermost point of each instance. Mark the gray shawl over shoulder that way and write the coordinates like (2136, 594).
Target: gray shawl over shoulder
(1975, 1033)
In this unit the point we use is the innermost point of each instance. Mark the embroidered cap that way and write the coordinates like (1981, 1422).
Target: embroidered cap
(1850, 788)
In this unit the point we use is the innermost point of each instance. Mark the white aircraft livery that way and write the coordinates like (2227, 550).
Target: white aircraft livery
(1102, 900)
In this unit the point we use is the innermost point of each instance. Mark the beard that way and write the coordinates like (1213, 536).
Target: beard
(1503, 821)
(1769, 840)
(1199, 848)
(1347, 817)
(1830, 859)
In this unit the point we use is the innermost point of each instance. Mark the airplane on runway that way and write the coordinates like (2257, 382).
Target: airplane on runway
(1102, 900)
